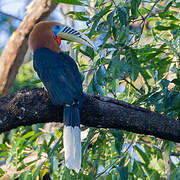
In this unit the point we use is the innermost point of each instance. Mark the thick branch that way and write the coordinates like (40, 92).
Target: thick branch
(14, 52)
(29, 107)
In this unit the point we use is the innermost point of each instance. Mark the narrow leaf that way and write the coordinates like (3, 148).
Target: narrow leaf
(123, 171)
(72, 2)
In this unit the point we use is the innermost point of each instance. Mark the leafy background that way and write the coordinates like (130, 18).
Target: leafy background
(137, 61)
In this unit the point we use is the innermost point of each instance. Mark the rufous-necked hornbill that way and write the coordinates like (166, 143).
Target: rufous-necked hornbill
(60, 76)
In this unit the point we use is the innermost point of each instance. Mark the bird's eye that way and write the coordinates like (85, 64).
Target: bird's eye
(57, 28)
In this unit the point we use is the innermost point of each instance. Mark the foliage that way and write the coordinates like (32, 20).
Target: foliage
(137, 60)
(71, 2)
(26, 78)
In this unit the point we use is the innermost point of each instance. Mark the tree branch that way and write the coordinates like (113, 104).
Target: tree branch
(13, 54)
(27, 107)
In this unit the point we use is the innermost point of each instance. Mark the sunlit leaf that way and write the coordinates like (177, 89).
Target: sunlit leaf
(78, 15)
(1, 172)
(28, 135)
(2, 154)
(37, 171)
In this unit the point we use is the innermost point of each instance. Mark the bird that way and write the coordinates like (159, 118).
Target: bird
(61, 78)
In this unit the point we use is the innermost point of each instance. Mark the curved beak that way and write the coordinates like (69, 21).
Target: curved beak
(70, 34)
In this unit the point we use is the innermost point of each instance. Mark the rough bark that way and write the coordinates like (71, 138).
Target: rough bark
(13, 54)
(28, 107)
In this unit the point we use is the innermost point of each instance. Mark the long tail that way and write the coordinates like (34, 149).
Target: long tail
(72, 138)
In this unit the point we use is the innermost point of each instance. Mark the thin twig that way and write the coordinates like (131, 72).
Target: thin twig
(14, 17)
(130, 144)
(143, 19)
(133, 86)
(114, 3)
(87, 70)
(152, 9)
(118, 158)
(100, 174)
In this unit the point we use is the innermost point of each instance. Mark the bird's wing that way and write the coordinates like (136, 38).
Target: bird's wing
(60, 75)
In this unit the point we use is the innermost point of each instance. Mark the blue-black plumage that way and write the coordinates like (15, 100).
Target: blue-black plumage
(60, 75)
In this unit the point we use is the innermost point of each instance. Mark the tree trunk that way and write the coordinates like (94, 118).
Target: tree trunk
(13, 54)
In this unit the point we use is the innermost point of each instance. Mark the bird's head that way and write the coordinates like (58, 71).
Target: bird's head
(70, 34)
(50, 34)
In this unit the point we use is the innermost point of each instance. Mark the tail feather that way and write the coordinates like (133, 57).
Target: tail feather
(77, 149)
(68, 148)
(72, 138)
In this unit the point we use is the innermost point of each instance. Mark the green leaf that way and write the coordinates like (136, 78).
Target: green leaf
(36, 81)
(90, 88)
(97, 88)
(155, 163)
(164, 83)
(1, 172)
(89, 52)
(122, 34)
(123, 171)
(78, 15)
(176, 81)
(134, 8)
(96, 18)
(132, 60)
(23, 166)
(115, 34)
(167, 147)
(37, 172)
(3, 154)
(123, 15)
(51, 141)
(28, 135)
(20, 141)
(165, 28)
(72, 2)
(178, 4)
(142, 155)
(168, 6)
(107, 36)
(100, 76)
(25, 176)
(3, 147)
(119, 140)
(35, 136)
(99, 2)
(155, 97)
(110, 19)
(101, 27)
(175, 173)
(51, 152)
(117, 67)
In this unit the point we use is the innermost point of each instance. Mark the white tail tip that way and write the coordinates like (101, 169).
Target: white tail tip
(72, 147)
